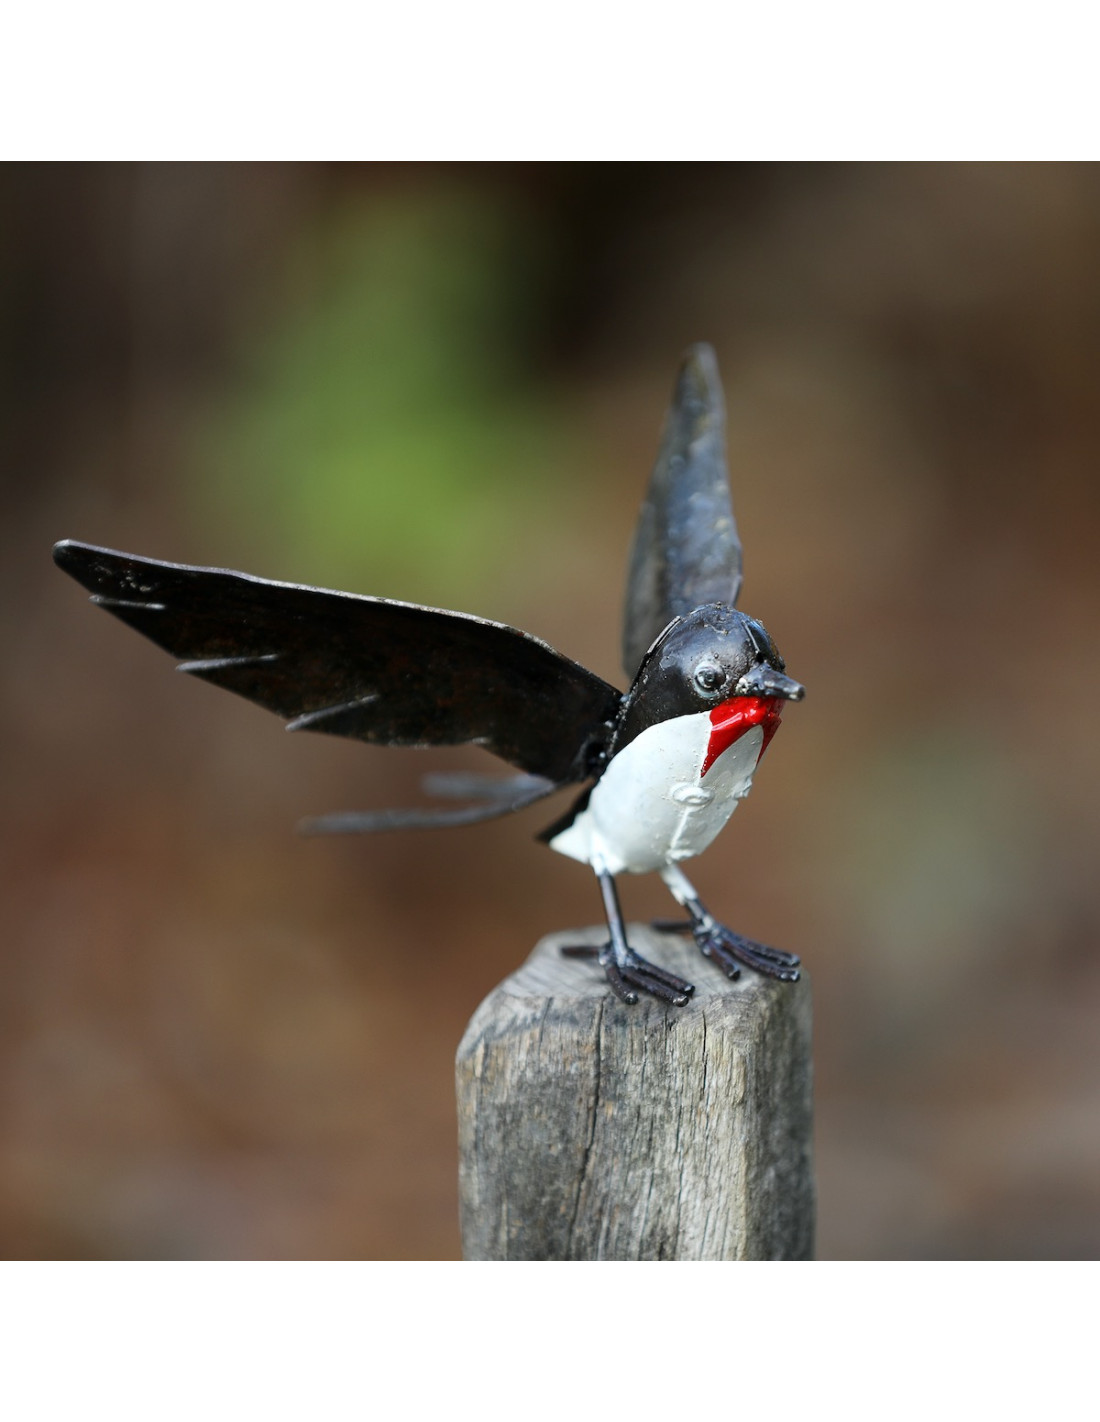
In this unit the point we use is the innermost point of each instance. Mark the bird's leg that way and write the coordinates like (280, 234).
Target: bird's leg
(720, 943)
(625, 969)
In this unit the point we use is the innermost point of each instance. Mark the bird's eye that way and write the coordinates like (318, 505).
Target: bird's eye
(709, 676)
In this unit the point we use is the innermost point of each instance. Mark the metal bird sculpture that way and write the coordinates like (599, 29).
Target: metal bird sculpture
(664, 765)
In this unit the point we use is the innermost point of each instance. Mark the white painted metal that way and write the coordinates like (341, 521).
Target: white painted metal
(653, 806)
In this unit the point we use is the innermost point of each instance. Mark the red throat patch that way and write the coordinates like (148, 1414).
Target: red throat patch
(730, 721)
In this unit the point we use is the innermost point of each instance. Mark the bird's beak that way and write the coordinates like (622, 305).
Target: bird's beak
(763, 680)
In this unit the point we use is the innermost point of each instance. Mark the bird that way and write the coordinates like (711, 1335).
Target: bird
(662, 766)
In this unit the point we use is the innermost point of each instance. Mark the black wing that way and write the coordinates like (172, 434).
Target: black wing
(686, 550)
(387, 672)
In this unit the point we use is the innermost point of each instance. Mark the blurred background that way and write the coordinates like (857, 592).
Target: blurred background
(445, 384)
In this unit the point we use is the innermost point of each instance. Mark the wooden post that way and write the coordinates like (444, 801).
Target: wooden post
(593, 1130)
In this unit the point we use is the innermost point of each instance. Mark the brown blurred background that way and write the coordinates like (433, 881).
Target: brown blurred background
(445, 383)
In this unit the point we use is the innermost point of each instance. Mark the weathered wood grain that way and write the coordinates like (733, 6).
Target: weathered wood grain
(593, 1130)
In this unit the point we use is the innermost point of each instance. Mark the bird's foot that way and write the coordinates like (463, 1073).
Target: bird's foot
(727, 949)
(627, 970)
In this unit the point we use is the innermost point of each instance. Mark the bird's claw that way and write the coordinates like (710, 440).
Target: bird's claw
(628, 970)
(727, 949)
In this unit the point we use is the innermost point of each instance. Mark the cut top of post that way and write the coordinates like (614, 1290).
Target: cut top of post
(590, 1129)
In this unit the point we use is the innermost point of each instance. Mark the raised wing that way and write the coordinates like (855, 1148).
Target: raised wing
(686, 549)
(386, 672)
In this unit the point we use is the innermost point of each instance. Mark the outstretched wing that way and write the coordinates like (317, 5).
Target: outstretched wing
(686, 549)
(387, 672)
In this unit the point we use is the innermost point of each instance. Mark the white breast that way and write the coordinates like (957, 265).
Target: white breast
(652, 806)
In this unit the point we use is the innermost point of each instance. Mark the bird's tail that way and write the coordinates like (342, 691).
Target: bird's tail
(498, 796)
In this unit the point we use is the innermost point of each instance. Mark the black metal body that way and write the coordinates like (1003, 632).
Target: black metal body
(395, 673)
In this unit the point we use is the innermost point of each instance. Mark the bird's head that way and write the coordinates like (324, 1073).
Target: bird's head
(702, 661)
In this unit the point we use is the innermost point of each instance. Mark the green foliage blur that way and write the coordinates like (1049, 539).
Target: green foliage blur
(384, 433)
